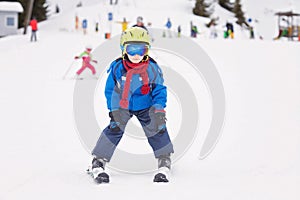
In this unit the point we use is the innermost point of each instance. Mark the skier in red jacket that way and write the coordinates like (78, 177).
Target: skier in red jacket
(34, 28)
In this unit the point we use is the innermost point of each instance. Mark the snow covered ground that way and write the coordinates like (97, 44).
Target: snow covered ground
(257, 156)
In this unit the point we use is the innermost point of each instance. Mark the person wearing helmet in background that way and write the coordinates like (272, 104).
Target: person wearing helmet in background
(134, 87)
(139, 23)
(86, 59)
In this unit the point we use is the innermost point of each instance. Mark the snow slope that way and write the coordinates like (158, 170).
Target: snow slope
(42, 156)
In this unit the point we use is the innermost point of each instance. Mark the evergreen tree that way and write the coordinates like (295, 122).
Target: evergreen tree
(202, 8)
(226, 4)
(40, 10)
(239, 14)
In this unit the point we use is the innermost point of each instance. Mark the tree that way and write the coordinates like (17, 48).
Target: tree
(239, 14)
(39, 11)
(202, 8)
(226, 4)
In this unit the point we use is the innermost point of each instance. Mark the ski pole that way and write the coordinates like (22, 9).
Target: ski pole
(67, 72)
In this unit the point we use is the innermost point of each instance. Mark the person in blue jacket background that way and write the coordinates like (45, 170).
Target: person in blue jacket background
(134, 87)
(169, 26)
(84, 26)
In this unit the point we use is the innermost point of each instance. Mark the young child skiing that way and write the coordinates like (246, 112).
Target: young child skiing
(86, 59)
(134, 87)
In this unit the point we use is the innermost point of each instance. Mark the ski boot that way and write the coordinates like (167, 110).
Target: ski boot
(164, 166)
(97, 171)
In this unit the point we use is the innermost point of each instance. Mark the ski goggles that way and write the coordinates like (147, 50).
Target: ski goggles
(136, 49)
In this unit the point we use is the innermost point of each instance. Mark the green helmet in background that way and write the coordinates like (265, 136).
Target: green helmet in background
(135, 35)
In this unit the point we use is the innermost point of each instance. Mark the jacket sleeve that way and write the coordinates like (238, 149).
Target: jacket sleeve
(159, 90)
(112, 91)
(82, 54)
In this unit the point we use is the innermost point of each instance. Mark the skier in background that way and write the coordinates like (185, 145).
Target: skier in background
(135, 86)
(76, 22)
(97, 27)
(169, 26)
(229, 30)
(231, 33)
(124, 24)
(86, 57)
(194, 30)
(34, 27)
(57, 9)
(179, 31)
(139, 23)
(251, 30)
(212, 27)
(84, 26)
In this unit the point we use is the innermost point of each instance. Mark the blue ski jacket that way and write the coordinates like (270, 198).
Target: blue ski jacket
(157, 97)
(168, 24)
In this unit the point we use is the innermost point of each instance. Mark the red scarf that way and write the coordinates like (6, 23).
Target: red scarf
(134, 68)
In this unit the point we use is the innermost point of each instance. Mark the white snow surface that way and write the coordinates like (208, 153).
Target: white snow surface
(257, 156)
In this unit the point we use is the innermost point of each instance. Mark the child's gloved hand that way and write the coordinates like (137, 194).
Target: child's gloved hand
(115, 120)
(76, 57)
(160, 119)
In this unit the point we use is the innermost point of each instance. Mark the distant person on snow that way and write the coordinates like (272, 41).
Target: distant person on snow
(134, 87)
(86, 59)
(57, 9)
(212, 27)
(194, 30)
(179, 31)
(84, 26)
(76, 22)
(229, 30)
(124, 24)
(169, 26)
(251, 30)
(97, 27)
(139, 23)
(34, 27)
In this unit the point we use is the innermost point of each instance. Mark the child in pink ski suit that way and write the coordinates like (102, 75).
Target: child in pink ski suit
(86, 59)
